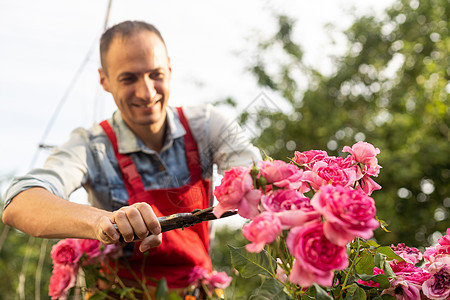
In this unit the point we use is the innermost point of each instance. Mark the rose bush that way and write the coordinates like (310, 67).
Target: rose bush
(310, 232)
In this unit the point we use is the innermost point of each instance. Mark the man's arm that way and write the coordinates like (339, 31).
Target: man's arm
(39, 213)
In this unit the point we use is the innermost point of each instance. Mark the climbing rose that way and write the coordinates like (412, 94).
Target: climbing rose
(261, 231)
(281, 174)
(364, 153)
(308, 158)
(348, 213)
(66, 252)
(63, 278)
(323, 174)
(291, 207)
(315, 256)
(410, 254)
(236, 192)
(402, 289)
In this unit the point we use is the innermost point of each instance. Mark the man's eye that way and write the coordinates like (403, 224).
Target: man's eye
(126, 79)
(158, 75)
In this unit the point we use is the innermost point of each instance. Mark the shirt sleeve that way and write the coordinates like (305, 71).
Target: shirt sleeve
(64, 171)
(230, 144)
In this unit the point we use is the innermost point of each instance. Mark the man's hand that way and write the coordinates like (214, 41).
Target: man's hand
(137, 219)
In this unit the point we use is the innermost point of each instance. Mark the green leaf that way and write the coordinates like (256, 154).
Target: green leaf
(381, 279)
(386, 250)
(372, 243)
(251, 264)
(360, 294)
(321, 294)
(271, 289)
(98, 296)
(365, 264)
(161, 289)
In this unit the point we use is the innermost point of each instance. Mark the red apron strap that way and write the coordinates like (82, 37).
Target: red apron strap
(131, 177)
(191, 148)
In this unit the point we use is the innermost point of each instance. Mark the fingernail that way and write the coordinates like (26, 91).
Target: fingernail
(144, 248)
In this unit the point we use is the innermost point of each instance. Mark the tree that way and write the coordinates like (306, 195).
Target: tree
(390, 89)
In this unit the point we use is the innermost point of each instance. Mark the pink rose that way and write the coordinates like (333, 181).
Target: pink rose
(113, 251)
(63, 278)
(308, 158)
(65, 252)
(197, 273)
(281, 174)
(236, 192)
(315, 256)
(438, 286)
(376, 271)
(348, 213)
(291, 207)
(261, 231)
(323, 173)
(219, 280)
(90, 249)
(364, 153)
(403, 290)
(368, 185)
(410, 254)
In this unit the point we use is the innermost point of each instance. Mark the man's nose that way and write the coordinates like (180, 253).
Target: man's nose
(146, 89)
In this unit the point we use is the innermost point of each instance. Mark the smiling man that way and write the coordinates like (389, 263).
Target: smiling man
(148, 160)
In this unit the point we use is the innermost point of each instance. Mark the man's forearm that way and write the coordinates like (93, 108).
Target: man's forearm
(39, 213)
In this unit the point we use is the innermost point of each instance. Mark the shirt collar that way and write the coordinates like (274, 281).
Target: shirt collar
(128, 142)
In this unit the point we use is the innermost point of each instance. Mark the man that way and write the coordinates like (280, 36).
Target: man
(148, 160)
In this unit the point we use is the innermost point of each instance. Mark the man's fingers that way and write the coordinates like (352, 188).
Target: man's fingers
(107, 233)
(125, 228)
(149, 217)
(136, 220)
(151, 241)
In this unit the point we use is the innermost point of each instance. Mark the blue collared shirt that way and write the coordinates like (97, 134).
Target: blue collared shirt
(87, 158)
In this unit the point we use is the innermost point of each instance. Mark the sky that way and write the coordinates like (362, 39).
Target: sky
(49, 58)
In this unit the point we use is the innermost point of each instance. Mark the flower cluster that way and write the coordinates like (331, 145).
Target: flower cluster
(69, 255)
(431, 280)
(209, 280)
(274, 195)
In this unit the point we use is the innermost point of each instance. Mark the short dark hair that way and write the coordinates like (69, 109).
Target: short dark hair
(123, 29)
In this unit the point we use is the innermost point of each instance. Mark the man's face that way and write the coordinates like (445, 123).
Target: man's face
(138, 75)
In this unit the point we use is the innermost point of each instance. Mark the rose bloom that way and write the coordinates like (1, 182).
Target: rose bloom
(316, 257)
(368, 185)
(63, 278)
(410, 254)
(281, 174)
(291, 207)
(236, 192)
(376, 271)
(402, 289)
(90, 249)
(364, 153)
(261, 231)
(219, 280)
(308, 158)
(323, 173)
(438, 286)
(348, 213)
(65, 252)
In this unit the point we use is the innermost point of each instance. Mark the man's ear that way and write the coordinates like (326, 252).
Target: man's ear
(104, 80)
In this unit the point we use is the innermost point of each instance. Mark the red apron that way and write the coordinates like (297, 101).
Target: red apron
(181, 249)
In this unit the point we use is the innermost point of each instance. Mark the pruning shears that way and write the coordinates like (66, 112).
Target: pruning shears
(183, 220)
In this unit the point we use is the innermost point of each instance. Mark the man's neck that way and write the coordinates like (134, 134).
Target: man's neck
(152, 136)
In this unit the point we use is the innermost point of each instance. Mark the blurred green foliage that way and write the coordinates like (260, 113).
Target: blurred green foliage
(390, 89)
